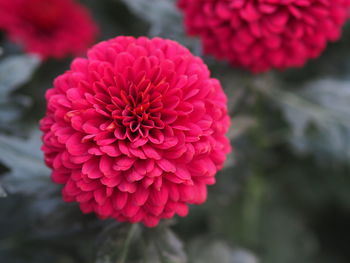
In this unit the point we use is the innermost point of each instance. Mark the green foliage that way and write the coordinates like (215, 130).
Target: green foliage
(283, 195)
(14, 72)
(28, 174)
(164, 20)
(319, 118)
(123, 243)
(207, 250)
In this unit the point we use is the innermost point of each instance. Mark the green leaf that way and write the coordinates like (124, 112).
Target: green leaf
(164, 19)
(165, 247)
(116, 241)
(11, 111)
(207, 250)
(319, 116)
(2, 192)
(158, 13)
(15, 71)
(126, 243)
(28, 173)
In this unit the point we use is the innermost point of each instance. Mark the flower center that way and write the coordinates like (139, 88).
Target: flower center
(137, 110)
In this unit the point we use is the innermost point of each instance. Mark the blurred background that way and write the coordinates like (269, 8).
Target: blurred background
(283, 195)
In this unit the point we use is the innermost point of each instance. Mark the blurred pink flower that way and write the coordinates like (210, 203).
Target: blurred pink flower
(264, 34)
(49, 28)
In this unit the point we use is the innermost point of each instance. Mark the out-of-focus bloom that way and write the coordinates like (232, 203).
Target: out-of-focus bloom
(264, 34)
(49, 28)
(136, 131)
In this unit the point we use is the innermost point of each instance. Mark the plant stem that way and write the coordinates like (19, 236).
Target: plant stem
(128, 239)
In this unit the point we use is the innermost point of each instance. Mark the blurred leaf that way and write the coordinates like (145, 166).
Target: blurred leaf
(169, 247)
(207, 250)
(2, 192)
(283, 233)
(131, 243)
(161, 14)
(243, 256)
(112, 241)
(12, 108)
(15, 71)
(319, 116)
(165, 20)
(240, 125)
(28, 173)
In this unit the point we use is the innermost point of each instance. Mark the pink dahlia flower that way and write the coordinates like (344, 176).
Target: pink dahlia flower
(264, 34)
(49, 28)
(136, 131)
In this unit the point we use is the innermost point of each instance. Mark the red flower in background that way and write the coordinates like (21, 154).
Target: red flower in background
(264, 34)
(136, 131)
(49, 28)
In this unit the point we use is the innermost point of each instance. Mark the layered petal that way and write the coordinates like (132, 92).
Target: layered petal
(263, 34)
(136, 131)
(48, 28)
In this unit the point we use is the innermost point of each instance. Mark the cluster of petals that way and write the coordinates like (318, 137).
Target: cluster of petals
(136, 131)
(263, 34)
(48, 28)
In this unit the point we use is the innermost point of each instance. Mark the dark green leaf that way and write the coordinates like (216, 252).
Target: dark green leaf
(2, 192)
(15, 71)
(319, 118)
(207, 250)
(126, 243)
(28, 173)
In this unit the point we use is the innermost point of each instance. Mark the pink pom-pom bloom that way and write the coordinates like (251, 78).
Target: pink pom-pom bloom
(264, 34)
(136, 131)
(48, 28)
